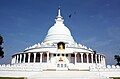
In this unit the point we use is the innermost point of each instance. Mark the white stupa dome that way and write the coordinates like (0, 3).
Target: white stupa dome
(59, 29)
(59, 32)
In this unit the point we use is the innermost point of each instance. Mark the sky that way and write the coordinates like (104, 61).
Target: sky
(93, 23)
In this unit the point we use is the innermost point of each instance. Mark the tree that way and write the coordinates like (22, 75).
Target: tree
(1, 51)
(1, 40)
(117, 58)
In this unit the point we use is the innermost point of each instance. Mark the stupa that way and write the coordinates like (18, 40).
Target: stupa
(59, 56)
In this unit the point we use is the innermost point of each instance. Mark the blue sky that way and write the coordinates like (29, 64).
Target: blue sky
(94, 23)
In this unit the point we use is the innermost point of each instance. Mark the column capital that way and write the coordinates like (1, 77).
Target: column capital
(91, 53)
(87, 53)
(81, 53)
(75, 53)
(47, 52)
(41, 53)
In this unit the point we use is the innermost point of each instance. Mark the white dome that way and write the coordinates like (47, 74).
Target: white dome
(59, 29)
(59, 32)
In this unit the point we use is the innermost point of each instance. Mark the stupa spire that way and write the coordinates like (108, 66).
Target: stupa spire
(59, 18)
(59, 13)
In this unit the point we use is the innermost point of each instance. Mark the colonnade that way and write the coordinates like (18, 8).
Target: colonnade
(31, 57)
(89, 58)
(40, 57)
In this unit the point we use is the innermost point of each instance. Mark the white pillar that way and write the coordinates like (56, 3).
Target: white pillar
(96, 58)
(12, 60)
(91, 58)
(28, 57)
(41, 57)
(20, 57)
(99, 59)
(34, 57)
(81, 57)
(75, 58)
(24, 58)
(17, 58)
(47, 57)
(104, 61)
(87, 58)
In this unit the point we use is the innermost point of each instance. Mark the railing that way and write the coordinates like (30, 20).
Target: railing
(105, 69)
(21, 67)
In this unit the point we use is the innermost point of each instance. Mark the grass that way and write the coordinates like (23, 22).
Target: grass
(12, 78)
(115, 77)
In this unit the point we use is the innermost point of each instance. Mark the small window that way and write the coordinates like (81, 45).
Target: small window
(65, 65)
(58, 65)
(62, 54)
(58, 54)
(61, 45)
(66, 55)
(61, 65)
(54, 54)
(72, 55)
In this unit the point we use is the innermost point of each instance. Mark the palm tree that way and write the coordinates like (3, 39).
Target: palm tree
(1, 51)
(117, 58)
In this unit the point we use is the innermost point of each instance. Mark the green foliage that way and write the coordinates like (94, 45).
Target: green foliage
(115, 78)
(12, 78)
(1, 51)
(1, 40)
(117, 58)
